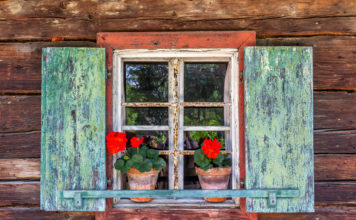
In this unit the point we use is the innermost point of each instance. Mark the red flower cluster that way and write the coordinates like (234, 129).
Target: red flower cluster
(211, 148)
(116, 142)
(135, 142)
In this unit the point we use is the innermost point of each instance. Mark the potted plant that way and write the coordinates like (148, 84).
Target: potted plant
(142, 164)
(212, 167)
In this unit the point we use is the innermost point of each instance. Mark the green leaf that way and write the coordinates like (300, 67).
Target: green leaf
(200, 159)
(126, 157)
(131, 151)
(143, 151)
(145, 166)
(159, 164)
(219, 160)
(137, 158)
(119, 164)
(152, 154)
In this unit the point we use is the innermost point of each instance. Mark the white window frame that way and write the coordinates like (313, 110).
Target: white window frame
(175, 104)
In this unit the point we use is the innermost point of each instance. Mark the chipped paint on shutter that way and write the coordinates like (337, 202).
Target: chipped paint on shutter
(73, 126)
(279, 125)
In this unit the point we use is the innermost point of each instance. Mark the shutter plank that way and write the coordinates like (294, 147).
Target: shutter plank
(279, 125)
(73, 126)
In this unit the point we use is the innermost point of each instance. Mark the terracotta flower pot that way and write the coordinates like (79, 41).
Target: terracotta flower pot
(142, 181)
(214, 178)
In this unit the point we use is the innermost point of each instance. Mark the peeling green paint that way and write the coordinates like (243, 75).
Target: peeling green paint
(73, 126)
(279, 125)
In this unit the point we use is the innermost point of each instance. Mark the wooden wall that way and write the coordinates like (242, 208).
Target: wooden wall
(328, 26)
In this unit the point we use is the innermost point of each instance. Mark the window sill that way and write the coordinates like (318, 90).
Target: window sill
(178, 203)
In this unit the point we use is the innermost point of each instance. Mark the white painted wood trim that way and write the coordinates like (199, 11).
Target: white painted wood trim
(206, 128)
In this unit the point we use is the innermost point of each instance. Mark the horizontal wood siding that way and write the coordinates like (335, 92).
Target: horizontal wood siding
(28, 26)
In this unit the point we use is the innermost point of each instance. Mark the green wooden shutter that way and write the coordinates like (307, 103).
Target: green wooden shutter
(279, 125)
(73, 126)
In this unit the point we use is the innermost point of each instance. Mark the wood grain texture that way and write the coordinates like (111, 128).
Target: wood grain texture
(20, 64)
(20, 145)
(19, 193)
(321, 213)
(279, 125)
(82, 19)
(335, 142)
(73, 126)
(34, 213)
(20, 169)
(335, 167)
(174, 213)
(335, 193)
(20, 113)
(334, 110)
(334, 66)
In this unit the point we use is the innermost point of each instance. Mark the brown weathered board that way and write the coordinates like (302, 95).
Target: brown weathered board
(20, 169)
(83, 19)
(279, 125)
(73, 126)
(20, 64)
(20, 145)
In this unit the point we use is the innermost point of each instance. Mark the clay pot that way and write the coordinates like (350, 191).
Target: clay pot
(214, 178)
(142, 181)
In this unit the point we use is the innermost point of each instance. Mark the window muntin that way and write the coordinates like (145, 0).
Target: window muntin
(183, 68)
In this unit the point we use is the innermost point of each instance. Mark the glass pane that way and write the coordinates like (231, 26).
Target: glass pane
(191, 180)
(203, 116)
(154, 139)
(194, 139)
(146, 82)
(146, 116)
(204, 82)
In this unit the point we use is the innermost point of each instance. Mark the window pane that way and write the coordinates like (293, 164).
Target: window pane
(204, 82)
(146, 82)
(154, 139)
(194, 139)
(146, 116)
(203, 116)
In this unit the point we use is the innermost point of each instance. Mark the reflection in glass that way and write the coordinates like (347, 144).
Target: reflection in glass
(204, 82)
(191, 180)
(203, 116)
(194, 139)
(154, 139)
(146, 82)
(146, 116)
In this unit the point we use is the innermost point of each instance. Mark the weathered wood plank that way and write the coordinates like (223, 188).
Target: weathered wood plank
(335, 142)
(335, 167)
(321, 213)
(334, 110)
(83, 19)
(20, 145)
(82, 29)
(178, 9)
(20, 64)
(20, 169)
(19, 193)
(334, 57)
(20, 113)
(279, 125)
(34, 213)
(73, 126)
(341, 193)
(173, 213)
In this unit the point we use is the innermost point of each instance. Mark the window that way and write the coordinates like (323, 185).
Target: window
(176, 96)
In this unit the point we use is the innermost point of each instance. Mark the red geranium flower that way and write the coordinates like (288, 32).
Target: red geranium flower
(135, 142)
(211, 148)
(116, 142)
